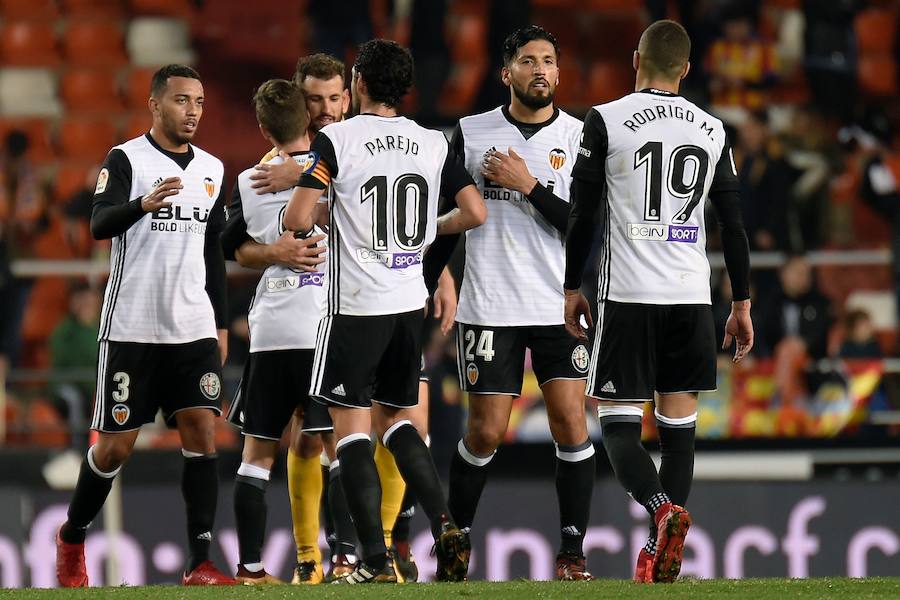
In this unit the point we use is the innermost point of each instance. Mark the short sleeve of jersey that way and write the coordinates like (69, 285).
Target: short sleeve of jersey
(591, 162)
(114, 180)
(454, 175)
(458, 144)
(725, 178)
(323, 167)
(217, 214)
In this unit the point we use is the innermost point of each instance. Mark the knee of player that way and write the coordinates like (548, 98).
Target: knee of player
(483, 441)
(111, 455)
(309, 446)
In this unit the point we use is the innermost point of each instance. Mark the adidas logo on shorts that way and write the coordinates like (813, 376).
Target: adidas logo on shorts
(608, 387)
(339, 390)
(206, 535)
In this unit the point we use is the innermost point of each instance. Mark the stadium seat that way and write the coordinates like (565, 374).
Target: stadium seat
(94, 9)
(154, 41)
(90, 89)
(461, 87)
(570, 91)
(32, 10)
(609, 81)
(878, 75)
(28, 93)
(876, 31)
(94, 43)
(28, 43)
(136, 123)
(168, 8)
(137, 89)
(46, 427)
(70, 177)
(468, 39)
(39, 150)
(86, 138)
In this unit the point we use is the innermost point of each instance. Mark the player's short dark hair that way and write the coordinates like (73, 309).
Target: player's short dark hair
(281, 110)
(522, 36)
(321, 66)
(387, 68)
(664, 49)
(161, 77)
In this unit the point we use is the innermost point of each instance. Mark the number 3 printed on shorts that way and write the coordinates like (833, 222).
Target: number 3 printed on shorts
(122, 381)
(485, 347)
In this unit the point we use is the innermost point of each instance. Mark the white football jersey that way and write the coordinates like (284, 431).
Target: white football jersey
(515, 262)
(288, 303)
(660, 155)
(387, 174)
(156, 292)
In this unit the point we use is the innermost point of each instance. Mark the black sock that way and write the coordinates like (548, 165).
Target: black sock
(250, 516)
(362, 489)
(87, 500)
(327, 523)
(676, 471)
(344, 534)
(417, 468)
(575, 470)
(200, 489)
(630, 460)
(400, 532)
(467, 481)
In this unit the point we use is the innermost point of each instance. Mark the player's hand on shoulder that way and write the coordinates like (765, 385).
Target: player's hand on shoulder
(508, 171)
(269, 178)
(577, 309)
(739, 328)
(303, 253)
(157, 198)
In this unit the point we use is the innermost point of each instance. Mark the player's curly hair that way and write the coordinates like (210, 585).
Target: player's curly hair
(281, 109)
(522, 36)
(387, 68)
(161, 77)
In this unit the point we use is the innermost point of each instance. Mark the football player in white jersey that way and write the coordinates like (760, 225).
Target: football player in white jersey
(521, 157)
(387, 174)
(646, 166)
(162, 336)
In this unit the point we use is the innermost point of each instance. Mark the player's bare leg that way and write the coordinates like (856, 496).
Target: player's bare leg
(103, 462)
(250, 508)
(485, 428)
(399, 435)
(359, 479)
(305, 485)
(200, 488)
(575, 470)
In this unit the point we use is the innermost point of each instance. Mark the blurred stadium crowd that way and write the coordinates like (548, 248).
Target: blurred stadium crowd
(809, 89)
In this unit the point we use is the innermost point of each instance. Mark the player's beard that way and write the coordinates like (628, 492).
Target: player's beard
(532, 101)
(171, 129)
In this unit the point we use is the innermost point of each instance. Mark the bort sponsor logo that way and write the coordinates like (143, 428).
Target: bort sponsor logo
(396, 260)
(662, 233)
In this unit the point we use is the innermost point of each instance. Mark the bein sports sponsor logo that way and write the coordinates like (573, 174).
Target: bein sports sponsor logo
(293, 282)
(392, 260)
(663, 233)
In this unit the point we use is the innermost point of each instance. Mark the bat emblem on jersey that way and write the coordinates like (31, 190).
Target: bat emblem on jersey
(557, 158)
(210, 186)
(120, 413)
(472, 373)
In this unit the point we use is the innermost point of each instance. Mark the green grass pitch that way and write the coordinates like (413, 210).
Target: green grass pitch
(755, 589)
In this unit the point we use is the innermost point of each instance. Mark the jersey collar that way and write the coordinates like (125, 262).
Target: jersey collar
(657, 92)
(182, 159)
(528, 129)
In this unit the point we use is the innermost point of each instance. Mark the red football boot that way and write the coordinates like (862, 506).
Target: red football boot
(71, 571)
(206, 573)
(672, 522)
(642, 569)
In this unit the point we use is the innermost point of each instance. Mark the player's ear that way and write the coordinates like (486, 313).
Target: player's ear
(686, 70)
(345, 102)
(265, 133)
(153, 105)
(636, 60)
(504, 75)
